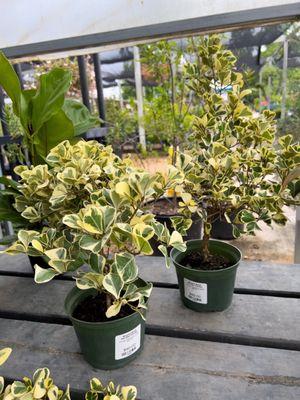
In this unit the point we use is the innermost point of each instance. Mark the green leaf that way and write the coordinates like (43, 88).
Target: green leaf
(9, 183)
(126, 267)
(96, 385)
(1, 385)
(87, 242)
(43, 275)
(246, 216)
(53, 393)
(181, 224)
(50, 96)
(114, 309)
(91, 395)
(163, 249)
(18, 389)
(97, 262)
(4, 354)
(8, 212)
(113, 283)
(10, 82)
(51, 133)
(80, 116)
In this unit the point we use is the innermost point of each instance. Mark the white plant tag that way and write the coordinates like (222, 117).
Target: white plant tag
(127, 343)
(195, 291)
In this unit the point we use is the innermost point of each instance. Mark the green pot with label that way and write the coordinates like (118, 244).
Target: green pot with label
(109, 344)
(207, 290)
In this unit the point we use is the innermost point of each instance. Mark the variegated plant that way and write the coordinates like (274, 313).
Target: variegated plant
(48, 192)
(91, 205)
(42, 387)
(110, 392)
(234, 168)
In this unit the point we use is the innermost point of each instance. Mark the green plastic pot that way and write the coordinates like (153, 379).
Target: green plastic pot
(106, 345)
(203, 290)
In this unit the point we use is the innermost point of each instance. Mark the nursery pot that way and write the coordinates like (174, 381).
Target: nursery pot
(194, 232)
(207, 290)
(223, 230)
(39, 261)
(110, 344)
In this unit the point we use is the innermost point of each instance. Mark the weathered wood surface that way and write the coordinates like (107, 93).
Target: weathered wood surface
(263, 317)
(186, 355)
(251, 275)
(167, 369)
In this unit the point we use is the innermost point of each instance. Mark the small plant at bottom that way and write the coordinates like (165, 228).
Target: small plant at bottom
(42, 387)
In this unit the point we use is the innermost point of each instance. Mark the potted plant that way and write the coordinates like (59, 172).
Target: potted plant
(234, 169)
(42, 386)
(167, 117)
(92, 202)
(43, 117)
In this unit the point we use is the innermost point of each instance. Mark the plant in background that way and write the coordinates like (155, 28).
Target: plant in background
(46, 116)
(164, 62)
(122, 125)
(14, 152)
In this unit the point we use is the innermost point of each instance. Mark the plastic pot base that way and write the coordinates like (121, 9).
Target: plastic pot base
(106, 345)
(203, 290)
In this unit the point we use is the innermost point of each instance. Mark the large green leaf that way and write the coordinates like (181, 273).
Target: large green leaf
(26, 109)
(8, 212)
(54, 131)
(9, 183)
(10, 82)
(80, 116)
(50, 96)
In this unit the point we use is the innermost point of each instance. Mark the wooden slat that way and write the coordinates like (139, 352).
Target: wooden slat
(168, 368)
(273, 319)
(251, 275)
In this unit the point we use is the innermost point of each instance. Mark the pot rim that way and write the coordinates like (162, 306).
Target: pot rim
(213, 271)
(95, 324)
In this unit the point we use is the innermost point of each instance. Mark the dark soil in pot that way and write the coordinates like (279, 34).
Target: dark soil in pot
(195, 260)
(206, 286)
(93, 308)
(163, 210)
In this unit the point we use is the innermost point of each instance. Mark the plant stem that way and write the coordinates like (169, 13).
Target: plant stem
(205, 241)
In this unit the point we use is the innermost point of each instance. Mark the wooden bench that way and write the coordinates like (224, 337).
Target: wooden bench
(250, 351)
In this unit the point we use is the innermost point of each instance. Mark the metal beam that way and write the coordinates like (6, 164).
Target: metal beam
(284, 77)
(2, 114)
(18, 70)
(84, 86)
(139, 95)
(99, 87)
(207, 20)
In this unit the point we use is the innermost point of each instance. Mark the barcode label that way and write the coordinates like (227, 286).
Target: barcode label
(195, 291)
(127, 343)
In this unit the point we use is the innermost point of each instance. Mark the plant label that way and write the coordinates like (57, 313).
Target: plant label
(195, 291)
(127, 343)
